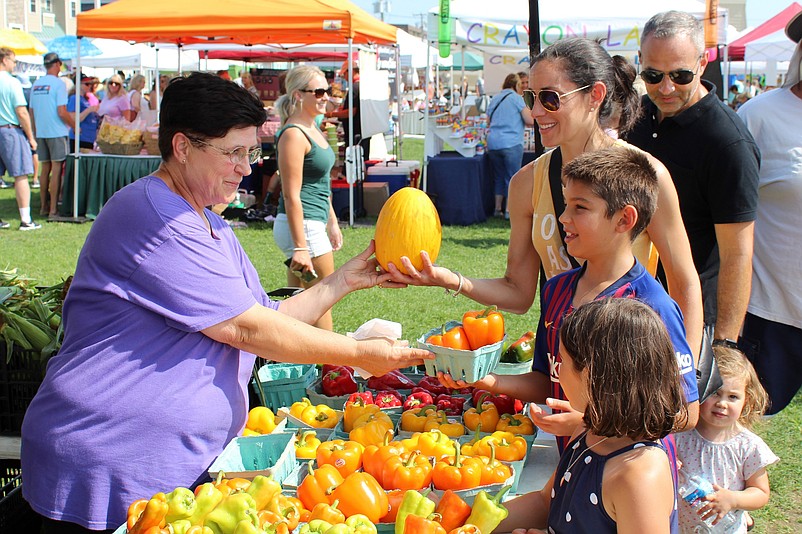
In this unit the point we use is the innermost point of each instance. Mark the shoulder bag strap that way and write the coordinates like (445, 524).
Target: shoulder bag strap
(556, 187)
(490, 117)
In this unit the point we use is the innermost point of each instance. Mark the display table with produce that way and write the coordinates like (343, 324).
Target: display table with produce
(101, 175)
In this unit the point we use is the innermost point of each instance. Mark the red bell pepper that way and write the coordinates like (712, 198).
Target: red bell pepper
(338, 382)
(504, 403)
(366, 396)
(450, 405)
(392, 380)
(467, 390)
(329, 367)
(432, 385)
(419, 398)
(388, 398)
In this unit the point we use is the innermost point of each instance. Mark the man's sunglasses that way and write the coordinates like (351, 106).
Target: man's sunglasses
(550, 99)
(318, 92)
(679, 76)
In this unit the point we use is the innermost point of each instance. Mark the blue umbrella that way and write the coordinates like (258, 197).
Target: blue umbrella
(66, 47)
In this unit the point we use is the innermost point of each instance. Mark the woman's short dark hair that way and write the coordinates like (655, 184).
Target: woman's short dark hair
(634, 385)
(511, 82)
(586, 62)
(205, 106)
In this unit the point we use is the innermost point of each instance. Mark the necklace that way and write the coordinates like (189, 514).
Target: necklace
(567, 475)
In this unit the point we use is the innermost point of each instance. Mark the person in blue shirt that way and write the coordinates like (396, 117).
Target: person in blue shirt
(506, 116)
(89, 117)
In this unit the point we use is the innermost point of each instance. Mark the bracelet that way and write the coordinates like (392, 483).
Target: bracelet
(297, 249)
(459, 288)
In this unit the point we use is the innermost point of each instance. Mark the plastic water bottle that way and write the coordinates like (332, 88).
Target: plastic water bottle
(693, 491)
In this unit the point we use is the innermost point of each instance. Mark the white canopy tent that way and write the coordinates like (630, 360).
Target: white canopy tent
(773, 47)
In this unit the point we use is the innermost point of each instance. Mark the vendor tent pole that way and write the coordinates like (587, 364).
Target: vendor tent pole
(426, 133)
(400, 140)
(180, 67)
(351, 128)
(158, 84)
(463, 111)
(76, 169)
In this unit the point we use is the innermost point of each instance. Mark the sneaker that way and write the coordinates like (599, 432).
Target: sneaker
(4, 224)
(35, 185)
(29, 226)
(5, 185)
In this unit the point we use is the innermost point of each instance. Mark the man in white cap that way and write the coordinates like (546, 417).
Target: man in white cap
(17, 141)
(772, 333)
(51, 123)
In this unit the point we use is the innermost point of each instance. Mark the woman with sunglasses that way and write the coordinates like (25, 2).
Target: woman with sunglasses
(115, 102)
(306, 228)
(574, 86)
(163, 323)
(88, 115)
(507, 117)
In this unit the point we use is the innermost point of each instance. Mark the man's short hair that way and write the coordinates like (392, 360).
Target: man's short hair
(621, 177)
(51, 58)
(6, 52)
(673, 24)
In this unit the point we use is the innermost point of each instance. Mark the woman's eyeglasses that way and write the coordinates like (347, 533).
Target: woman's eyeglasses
(550, 99)
(678, 76)
(318, 92)
(236, 156)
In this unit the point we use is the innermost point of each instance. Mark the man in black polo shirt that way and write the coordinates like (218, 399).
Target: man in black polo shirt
(713, 161)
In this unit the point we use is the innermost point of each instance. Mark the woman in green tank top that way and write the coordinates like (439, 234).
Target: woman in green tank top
(306, 227)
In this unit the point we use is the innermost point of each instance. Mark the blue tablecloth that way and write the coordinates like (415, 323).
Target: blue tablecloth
(461, 188)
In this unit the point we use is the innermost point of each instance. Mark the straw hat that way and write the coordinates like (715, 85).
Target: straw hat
(794, 28)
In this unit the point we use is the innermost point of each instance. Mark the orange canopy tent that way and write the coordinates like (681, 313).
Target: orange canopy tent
(235, 21)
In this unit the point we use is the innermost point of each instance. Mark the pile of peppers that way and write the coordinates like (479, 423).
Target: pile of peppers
(417, 514)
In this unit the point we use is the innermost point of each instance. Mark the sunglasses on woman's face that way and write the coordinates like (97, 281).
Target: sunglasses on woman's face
(550, 99)
(115, 83)
(318, 92)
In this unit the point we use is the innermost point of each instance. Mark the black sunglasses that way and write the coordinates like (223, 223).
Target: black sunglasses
(550, 99)
(114, 83)
(678, 76)
(318, 92)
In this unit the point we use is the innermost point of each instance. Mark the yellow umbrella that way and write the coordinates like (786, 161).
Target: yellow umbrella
(22, 43)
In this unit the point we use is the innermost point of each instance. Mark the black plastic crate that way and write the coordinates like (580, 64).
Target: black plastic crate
(20, 377)
(16, 514)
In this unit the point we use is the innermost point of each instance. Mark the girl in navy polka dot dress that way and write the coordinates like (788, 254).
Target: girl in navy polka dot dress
(619, 368)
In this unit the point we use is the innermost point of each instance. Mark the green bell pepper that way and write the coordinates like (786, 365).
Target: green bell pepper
(521, 351)
(414, 503)
(246, 527)
(340, 528)
(233, 509)
(488, 513)
(315, 526)
(180, 526)
(263, 489)
(207, 497)
(181, 504)
(361, 524)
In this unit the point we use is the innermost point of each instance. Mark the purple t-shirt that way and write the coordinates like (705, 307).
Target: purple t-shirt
(138, 400)
(114, 107)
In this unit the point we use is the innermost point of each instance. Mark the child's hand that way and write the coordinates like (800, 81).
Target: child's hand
(719, 503)
(562, 422)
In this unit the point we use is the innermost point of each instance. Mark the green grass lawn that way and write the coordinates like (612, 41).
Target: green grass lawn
(50, 254)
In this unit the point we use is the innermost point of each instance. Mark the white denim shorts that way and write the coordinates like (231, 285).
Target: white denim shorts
(317, 239)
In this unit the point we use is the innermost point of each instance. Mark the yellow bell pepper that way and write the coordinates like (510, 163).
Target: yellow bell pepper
(375, 416)
(371, 430)
(486, 415)
(306, 445)
(414, 420)
(509, 447)
(355, 410)
(439, 421)
(261, 420)
(298, 408)
(434, 443)
(519, 424)
(320, 416)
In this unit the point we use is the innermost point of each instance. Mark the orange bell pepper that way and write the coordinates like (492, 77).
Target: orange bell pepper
(394, 498)
(415, 419)
(457, 472)
(483, 327)
(409, 471)
(415, 524)
(328, 512)
(519, 424)
(439, 421)
(467, 528)
(153, 515)
(316, 487)
(453, 510)
(360, 493)
(356, 409)
(493, 471)
(509, 447)
(485, 414)
(375, 456)
(134, 511)
(287, 509)
(455, 338)
(320, 416)
(346, 456)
